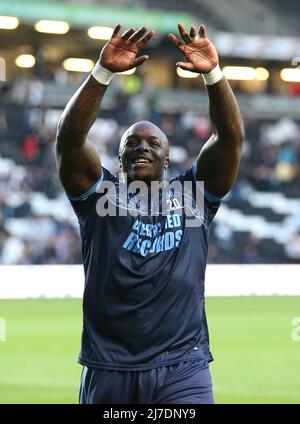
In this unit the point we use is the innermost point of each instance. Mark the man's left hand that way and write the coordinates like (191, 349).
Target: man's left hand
(200, 53)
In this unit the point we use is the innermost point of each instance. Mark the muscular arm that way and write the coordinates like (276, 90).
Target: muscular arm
(218, 161)
(78, 162)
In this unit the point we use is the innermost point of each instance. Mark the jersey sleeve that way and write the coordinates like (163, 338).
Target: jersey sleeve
(83, 204)
(211, 203)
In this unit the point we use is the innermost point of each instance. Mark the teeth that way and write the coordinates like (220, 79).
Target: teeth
(142, 161)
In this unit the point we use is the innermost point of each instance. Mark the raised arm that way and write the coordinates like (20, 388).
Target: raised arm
(218, 160)
(78, 162)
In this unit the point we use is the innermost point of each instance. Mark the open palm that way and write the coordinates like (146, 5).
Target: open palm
(119, 53)
(200, 53)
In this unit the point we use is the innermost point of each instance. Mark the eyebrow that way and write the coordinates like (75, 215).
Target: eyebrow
(130, 137)
(152, 137)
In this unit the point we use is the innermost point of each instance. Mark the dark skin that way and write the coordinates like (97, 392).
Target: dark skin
(144, 147)
(144, 152)
(218, 160)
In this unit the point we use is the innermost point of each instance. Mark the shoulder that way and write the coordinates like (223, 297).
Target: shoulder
(186, 176)
(197, 186)
(84, 204)
(105, 176)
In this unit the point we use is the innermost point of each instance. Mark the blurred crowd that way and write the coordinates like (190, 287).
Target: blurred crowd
(37, 224)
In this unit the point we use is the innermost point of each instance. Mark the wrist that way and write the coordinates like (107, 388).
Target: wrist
(214, 76)
(101, 74)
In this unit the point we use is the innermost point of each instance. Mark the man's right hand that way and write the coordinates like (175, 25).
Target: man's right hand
(119, 53)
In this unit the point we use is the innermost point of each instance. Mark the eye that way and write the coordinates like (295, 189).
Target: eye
(131, 142)
(155, 143)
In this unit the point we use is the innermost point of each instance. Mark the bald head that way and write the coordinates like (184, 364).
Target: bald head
(154, 129)
(144, 152)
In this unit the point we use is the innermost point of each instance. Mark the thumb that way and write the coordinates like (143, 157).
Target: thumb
(186, 66)
(139, 60)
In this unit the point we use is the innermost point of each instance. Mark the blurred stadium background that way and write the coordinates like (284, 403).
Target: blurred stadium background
(259, 222)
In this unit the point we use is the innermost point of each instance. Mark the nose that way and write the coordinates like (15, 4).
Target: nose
(142, 146)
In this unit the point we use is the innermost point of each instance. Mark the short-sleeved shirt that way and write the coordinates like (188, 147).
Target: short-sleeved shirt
(143, 301)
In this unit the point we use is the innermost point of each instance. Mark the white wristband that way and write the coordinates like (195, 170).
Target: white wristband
(213, 76)
(101, 74)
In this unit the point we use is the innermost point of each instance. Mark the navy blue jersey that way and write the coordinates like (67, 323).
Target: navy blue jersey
(143, 302)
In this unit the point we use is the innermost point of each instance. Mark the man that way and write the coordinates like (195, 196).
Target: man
(145, 337)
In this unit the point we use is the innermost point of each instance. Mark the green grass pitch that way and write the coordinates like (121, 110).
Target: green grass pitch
(256, 360)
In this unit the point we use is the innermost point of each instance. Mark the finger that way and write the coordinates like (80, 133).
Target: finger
(127, 34)
(145, 39)
(186, 66)
(137, 35)
(176, 42)
(202, 31)
(116, 31)
(139, 61)
(183, 33)
(192, 32)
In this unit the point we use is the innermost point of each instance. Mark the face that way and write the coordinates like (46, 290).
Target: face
(144, 152)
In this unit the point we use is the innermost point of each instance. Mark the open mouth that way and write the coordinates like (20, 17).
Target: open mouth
(141, 161)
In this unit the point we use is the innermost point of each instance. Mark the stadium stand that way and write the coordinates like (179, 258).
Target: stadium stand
(259, 221)
(289, 11)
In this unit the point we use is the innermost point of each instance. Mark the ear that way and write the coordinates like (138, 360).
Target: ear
(166, 164)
